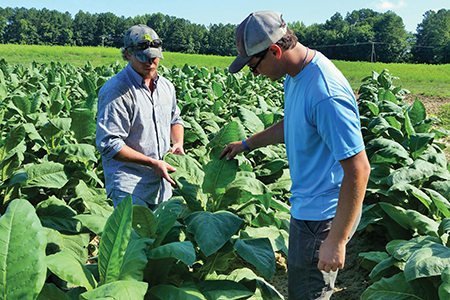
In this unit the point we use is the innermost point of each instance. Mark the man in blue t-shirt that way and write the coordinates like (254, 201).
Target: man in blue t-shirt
(327, 160)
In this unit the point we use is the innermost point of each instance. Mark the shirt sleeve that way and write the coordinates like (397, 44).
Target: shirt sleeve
(176, 118)
(113, 120)
(338, 124)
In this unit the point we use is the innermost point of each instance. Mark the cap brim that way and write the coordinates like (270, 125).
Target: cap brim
(238, 64)
(147, 54)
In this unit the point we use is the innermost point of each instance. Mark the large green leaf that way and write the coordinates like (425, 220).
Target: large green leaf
(115, 238)
(54, 213)
(417, 143)
(87, 85)
(233, 131)
(378, 125)
(33, 135)
(144, 222)
(258, 252)
(250, 120)
(170, 292)
(83, 124)
(197, 130)
(95, 223)
(212, 230)
(189, 179)
(427, 262)
(244, 188)
(274, 234)
(135, 260)
(396, 288)
(123, 290)
(417, 112)
(271, 167)
(444, 288)
(52, 292)
(218, 173)
(403, 251)
(54, 127)
(11, 145)
(245, 275)
(368, 260)
(183, 251)
(76, 244)
(411, 219)
(22, 252)
(406, 187)
(166, 214)
(67, 267)
(23, 104)
(223, 289)
(386, 268)
(417, 171)
(46, 174)
(75, 153)
(442, 204)
(425, 125)
(217, 88)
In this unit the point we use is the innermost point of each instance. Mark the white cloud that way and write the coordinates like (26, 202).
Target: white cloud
(388, 4)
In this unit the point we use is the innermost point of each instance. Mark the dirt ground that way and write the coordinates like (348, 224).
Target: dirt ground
(353, 280)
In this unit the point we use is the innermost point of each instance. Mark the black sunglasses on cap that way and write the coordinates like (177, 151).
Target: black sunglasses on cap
(147, 44)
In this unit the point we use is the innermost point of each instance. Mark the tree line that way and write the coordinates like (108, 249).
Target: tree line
(362, 35)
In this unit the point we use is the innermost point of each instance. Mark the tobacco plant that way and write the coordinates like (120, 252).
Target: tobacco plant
(407, 195)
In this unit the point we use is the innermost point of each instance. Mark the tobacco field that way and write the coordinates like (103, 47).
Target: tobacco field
(217, 237)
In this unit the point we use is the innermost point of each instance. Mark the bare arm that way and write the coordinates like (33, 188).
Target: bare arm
(272, 135)
(351, 196)
(177, 137)
(161, 168)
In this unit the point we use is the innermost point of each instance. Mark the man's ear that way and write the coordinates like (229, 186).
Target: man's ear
(275, 50)
(127, 54)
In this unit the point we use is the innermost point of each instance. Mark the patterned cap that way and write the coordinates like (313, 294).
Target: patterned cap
(138, 37)
(255, 34)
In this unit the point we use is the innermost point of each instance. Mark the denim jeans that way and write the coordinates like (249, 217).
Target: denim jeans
(118, 196)
(305, 280)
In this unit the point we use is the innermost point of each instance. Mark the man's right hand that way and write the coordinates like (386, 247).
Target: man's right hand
(162, 169)
(232, 149)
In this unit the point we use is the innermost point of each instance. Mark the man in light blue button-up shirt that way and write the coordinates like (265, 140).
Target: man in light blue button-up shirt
(137, 119)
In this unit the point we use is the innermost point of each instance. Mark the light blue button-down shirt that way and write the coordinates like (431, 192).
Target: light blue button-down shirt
(128, 113)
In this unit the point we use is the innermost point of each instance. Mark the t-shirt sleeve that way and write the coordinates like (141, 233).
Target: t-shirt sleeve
(338, 124)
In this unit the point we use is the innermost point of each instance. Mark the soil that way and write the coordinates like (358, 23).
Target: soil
(353, 280)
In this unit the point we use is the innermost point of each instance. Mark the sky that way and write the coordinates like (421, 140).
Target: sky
(234, 11)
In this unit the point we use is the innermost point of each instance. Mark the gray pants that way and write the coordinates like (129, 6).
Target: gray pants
(305, 280)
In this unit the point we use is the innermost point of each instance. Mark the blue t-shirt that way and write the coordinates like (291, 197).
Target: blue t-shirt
(321, 127)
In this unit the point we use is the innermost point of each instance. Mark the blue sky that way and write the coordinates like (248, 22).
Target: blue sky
(234, 11)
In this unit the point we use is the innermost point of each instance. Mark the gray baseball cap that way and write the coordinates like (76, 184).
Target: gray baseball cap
(255, 34)
(144, 42)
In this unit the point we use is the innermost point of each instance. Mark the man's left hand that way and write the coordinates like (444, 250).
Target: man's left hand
(331, 256)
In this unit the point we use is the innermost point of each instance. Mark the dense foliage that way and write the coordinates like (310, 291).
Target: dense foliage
(216, 238)
(362, 35)
(407, 199)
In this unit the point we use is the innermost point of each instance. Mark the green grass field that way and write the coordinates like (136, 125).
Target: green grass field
(429, 80)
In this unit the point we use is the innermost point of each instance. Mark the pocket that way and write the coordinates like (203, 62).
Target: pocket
(319, 228)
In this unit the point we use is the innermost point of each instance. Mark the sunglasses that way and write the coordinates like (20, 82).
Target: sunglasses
(253, 69)
(147, 44)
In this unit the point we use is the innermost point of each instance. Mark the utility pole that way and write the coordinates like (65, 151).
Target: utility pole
(373, 55)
